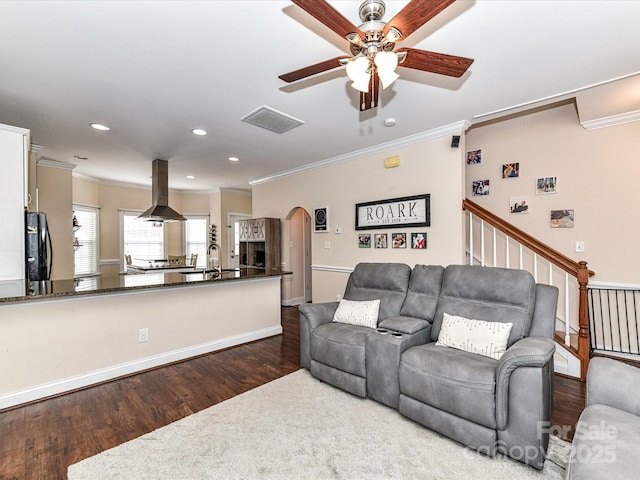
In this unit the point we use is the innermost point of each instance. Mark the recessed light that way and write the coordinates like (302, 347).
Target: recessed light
(191, 176)
(199, 131)
(234, 159)
(390, 122)
(99, 126)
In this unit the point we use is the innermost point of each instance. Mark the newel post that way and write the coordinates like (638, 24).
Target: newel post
(583, 318)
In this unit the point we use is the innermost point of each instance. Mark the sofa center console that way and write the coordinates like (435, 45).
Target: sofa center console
(383, 350)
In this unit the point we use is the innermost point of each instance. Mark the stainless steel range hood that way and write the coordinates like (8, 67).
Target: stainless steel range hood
(160, 211)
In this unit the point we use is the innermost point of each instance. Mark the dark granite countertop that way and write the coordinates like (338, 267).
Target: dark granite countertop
(16, 291)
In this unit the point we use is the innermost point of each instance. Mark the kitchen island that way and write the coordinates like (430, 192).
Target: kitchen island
(63, 335)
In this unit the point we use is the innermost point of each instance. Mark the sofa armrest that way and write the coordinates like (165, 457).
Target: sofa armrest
(536, 352)
(311, 316)
(613, 383)
(318, 313)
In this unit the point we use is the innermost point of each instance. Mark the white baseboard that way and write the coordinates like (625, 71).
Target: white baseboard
(98, 376)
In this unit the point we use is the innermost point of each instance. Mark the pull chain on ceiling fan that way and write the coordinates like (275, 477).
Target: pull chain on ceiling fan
(372, 44)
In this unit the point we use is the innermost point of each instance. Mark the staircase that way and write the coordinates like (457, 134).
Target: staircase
(492, 241)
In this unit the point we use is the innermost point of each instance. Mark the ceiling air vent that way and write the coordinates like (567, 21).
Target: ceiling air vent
(272, 120)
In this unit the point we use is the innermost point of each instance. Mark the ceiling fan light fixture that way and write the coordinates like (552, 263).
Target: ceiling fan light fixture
(386, 63)
(393, 35)
(358, 72)
(362, 84)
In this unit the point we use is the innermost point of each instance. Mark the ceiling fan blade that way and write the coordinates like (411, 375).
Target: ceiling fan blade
(312, 69)
(416, 14)
(369, 99)
(329, 16)
(440, 63)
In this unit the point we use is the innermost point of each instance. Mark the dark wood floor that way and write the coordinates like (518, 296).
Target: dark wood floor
(39, 441)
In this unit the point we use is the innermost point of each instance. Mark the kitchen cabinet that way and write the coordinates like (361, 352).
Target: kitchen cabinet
(14, 154)
(260, 243)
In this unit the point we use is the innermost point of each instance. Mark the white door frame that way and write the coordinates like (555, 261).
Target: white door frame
(232, 218)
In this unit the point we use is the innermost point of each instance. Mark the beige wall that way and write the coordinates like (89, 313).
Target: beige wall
(111, 199)
(430, 166)
(54, 198)
(597, 175)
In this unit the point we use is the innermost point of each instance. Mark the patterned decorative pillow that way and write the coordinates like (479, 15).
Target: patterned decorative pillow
(364, 313)
(474, 336)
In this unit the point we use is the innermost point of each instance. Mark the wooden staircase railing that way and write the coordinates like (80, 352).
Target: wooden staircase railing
(578, 270)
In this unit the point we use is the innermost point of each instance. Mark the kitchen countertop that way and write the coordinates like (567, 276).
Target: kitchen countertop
(12, 291)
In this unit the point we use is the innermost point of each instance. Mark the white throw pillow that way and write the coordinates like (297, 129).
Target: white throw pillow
(364, 313)
(474, 336)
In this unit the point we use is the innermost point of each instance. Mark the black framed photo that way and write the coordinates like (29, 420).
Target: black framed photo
(380, 240)
(399, 240)
(399, 212)
(321, 219)
(364, 240)
(419, 240)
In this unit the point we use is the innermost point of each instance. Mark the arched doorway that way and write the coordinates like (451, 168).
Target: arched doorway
(298, 238)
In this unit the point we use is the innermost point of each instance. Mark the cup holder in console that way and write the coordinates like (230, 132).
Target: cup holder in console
(382, 331)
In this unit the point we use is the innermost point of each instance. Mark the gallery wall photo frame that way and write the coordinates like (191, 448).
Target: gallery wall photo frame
(380, 240)
(562, 219)
(399, 240)
(546, 185)
(511, 170)
(519, 205)
(401, 212)
(321, 219)
(419, 240)
(474, 157)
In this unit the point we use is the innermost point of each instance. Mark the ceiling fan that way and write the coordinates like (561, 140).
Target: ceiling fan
(372, 44)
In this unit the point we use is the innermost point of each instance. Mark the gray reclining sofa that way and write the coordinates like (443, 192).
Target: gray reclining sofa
(492, 405)
(607, 436)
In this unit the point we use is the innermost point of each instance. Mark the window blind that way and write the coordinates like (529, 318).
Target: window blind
(85, 255)
(195, 235)
(142, 240)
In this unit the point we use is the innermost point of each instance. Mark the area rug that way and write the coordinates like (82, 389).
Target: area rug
(297, 427)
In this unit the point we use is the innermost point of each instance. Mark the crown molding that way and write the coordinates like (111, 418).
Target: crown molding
(238, 191)
(115, 183)
(452, 128)
(45, 162)
(611, 121)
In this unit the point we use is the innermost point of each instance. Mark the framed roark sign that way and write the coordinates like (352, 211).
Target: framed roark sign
(396, 212)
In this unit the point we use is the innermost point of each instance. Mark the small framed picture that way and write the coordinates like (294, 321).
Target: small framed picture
(380, 240)
(474, 157)
(510, 170)
(546, 185)
(419, 240)
(561, 219)
(364, 240)
(399, 240)
(519, 204)
(321, 219)
(480, 187)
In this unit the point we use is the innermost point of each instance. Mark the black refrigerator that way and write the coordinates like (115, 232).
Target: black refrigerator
(39, 253)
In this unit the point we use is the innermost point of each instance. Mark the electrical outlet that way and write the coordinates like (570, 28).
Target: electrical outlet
(143, 335)
(327, 244)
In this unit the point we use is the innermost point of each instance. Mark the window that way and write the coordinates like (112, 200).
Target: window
(140, 239)
(85, 255)
(195, 237)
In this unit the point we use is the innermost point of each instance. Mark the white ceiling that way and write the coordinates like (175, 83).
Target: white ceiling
(154, 70)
